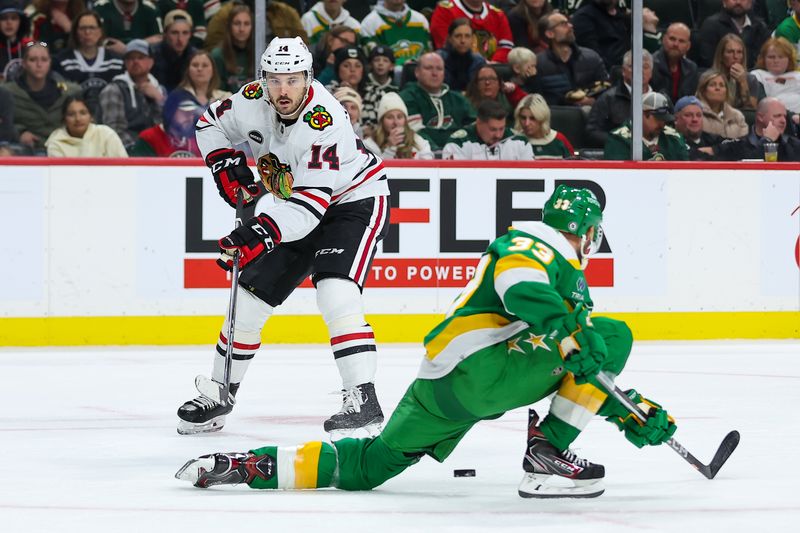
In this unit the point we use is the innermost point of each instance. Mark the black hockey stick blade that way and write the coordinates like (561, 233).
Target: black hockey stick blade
(729, 443)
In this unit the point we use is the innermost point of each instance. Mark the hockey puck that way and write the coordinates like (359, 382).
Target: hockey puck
(467, 472)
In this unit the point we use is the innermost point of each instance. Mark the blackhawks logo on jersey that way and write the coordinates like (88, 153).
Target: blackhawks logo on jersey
(253, 91)
(277, 176)
(318, 118)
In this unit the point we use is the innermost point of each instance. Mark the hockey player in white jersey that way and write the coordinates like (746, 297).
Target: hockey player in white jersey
(330, 211)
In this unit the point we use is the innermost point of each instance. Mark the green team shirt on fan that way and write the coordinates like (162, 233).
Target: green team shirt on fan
(408, 37)
(522, 281)
(141, 23)
(789, 29)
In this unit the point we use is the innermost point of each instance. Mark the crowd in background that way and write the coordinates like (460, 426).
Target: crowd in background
(420, 79)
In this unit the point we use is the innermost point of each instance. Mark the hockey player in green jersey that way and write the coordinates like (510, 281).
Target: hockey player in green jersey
(518, 332)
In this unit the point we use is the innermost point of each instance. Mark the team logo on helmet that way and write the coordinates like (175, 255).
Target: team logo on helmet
(276, 176)
(319, 118)
(253, 91)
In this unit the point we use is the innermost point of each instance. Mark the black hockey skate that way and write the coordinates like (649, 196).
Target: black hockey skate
(204, 415)
(226, 469)
(360, 411)
(550, 473)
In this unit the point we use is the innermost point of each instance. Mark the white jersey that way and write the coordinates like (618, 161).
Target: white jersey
(309, 164)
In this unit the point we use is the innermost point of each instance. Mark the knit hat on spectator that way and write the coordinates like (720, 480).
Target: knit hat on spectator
(137, 45)
(177, 15)
(687, 101)
(381, 50)
(391, 102)
(658, 106)
(348, 52)
(346, 94)
(10, 6)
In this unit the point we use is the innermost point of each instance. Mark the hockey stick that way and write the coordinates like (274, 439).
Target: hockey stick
(220, 392)
(710, 470)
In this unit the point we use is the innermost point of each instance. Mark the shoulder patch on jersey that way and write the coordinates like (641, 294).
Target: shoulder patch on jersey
(447, 4)
(253, 91)
(277, 176)
(318, 118)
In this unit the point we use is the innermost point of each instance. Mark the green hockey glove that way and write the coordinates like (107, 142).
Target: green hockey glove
(658, 429)
(584, 350)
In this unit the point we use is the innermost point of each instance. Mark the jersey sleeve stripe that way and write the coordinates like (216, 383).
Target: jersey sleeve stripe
(323, 203)
(516, 261)
(307, 206)
(511, 277)
(326, 191)
(366, 178)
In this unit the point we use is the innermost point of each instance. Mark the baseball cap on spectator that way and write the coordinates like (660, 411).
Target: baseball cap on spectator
(137, 45)
(391, 102)
(381, 50)
(346, 94)
(176, 15)
(10, 6)
(348, 52)
(658, 106)
(686, 101)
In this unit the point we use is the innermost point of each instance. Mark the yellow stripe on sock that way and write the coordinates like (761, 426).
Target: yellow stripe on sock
(306, 463)
(586, 395)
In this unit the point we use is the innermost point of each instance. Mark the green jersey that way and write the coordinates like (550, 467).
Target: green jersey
(789, 29)
(528, 278)
(436, 115)
(408, 36)
(670, 146)
(144, 21)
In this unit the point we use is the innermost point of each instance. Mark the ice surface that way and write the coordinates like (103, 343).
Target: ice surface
(88, 444)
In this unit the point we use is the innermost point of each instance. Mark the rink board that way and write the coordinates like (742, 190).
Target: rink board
(124, 253)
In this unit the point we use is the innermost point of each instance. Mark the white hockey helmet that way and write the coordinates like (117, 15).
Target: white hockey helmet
(286, 55)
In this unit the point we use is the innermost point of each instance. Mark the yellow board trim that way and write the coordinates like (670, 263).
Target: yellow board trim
(304, 329)
(587, 395)
(306, 463)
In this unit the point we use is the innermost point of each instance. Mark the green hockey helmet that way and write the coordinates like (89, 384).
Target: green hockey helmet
(575, 211)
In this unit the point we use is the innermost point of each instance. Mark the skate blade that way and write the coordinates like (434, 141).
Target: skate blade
(550, 486)
(194, 468)
(189, 428)
(368, 431)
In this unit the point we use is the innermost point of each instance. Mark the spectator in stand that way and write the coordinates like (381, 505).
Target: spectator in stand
(133, 101)
(659, 141)
(325, 15)
(568, 73)
(733, 18)
(8, 133)
(124, 20)
(613, 108)
(769, 127)
(486, 85)
(392, 23)
(433, 109)
(353, 104)
(196, 11)
(532, 119)
(744, 89)
(524, 22)
(51, 21)
(789, 28)
(174, 137)
(87, 63)
(234, 56)
(776, 70)
(14, 28)
(461, 63)
(200, 82)
(350, 69)
(38, 95)
(489, 24)
(80, 136)
(674, 74)
(689, 123)
(488, 139)
(605, 27)
(719, 117)
(171, 55)
(393, 138)
(283, 20)
(379, 82)
(325, 50)
(523, 69)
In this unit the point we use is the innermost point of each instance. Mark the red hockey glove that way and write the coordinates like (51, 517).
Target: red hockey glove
(231, 173)
(256, 236)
